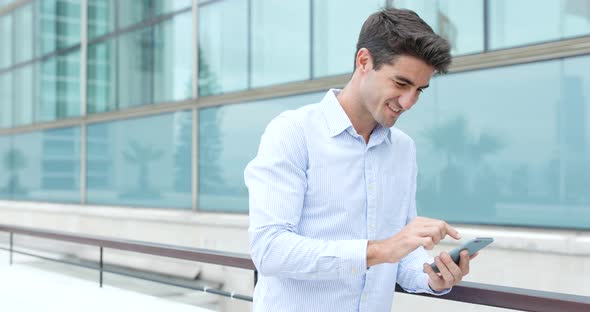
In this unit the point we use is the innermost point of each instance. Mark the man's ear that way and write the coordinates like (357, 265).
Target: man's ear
(364, 61)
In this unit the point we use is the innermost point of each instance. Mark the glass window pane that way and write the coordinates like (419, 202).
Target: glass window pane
(500, 154)
(133, 12)
(147, 66)
(59, 83)
(6, 100)
(228, 139)
(280, 42)
(102, 79)
(337, 24)
(101, 17)
(7, 170)
(142, 162)
(23, 95)
(6, 39)
(46, 166)
(459, 21)
(58, 25)
(23, 30)
(223, 47)
(511, 23)
(575, 18)
(173, 59)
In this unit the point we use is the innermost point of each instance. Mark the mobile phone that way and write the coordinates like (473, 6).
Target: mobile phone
(472, 246)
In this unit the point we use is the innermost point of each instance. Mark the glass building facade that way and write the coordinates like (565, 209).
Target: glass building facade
(161, 103)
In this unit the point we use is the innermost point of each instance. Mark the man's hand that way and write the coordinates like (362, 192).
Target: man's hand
(421, 231)
(450, 273)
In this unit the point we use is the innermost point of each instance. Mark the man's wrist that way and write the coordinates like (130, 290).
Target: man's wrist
(374, 253)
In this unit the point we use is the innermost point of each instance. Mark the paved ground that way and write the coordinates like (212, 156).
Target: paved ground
(39, 285)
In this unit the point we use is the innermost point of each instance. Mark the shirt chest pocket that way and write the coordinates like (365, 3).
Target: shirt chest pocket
(395, 200)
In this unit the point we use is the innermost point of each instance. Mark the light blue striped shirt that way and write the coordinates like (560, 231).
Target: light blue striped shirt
(318, 193)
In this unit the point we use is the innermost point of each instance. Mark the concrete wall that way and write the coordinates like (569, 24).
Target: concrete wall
(551, 260)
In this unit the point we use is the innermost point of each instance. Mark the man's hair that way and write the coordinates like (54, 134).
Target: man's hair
(390, 33)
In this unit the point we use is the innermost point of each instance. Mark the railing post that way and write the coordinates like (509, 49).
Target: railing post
(255, 277)
(100, 264)
(11, 243)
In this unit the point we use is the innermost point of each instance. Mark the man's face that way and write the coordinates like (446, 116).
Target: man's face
(393, 89)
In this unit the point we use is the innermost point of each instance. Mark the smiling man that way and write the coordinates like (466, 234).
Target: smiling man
(333, 222)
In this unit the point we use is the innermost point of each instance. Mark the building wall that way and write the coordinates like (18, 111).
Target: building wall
(118, 115)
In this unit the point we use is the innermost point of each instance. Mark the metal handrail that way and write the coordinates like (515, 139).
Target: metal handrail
(466, 292)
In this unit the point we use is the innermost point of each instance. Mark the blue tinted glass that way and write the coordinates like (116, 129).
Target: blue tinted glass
(280, 42)
(101, 17)
(132, 12)
(23, 30)
(142, 162)
(146, 66)
(6, 100)
(58, 24)
(46, 166)
(491, 151)
(6, 39)
(337, 24)
(23, 95)
(459, 21)
(102, 78)
(511, 23)
(7, 171)
(223, 47)
(228, 140)
(59, 83)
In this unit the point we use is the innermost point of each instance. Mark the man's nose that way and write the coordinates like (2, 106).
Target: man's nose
(408, 99)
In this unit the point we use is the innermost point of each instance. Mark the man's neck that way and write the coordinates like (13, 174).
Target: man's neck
(361, 119)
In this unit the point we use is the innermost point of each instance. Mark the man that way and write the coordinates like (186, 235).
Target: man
(333, 222)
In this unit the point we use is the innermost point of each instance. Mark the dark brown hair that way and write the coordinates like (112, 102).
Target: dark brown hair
(390, 33)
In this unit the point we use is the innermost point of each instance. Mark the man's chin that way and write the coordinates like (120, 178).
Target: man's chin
(388, 124)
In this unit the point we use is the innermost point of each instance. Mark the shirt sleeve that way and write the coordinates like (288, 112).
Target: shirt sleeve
(411, 276)
(276, 181)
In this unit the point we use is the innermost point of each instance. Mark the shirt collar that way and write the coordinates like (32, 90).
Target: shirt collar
(338, 121)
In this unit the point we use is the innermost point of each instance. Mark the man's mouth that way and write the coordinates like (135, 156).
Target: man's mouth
(394, 108)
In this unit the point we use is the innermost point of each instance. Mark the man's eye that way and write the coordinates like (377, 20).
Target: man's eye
(420, 90)
(401, 85)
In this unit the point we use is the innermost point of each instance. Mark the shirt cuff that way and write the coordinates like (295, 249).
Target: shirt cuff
(353, 257)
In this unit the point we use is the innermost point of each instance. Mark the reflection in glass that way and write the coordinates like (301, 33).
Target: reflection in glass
(102, 79)
(142, 162)
(45, 166)
(6, 100)
(223, 47)
(336, 28)
(280, 42)
(459, 21)
(146, 66)
(490, 151)
(23, 94)
(23, 30)
(511, 23)
(5, 167)
(132, 12)
(228, 140)
(58, 24)
(6, 39)
(101, 17)
(59, 85)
